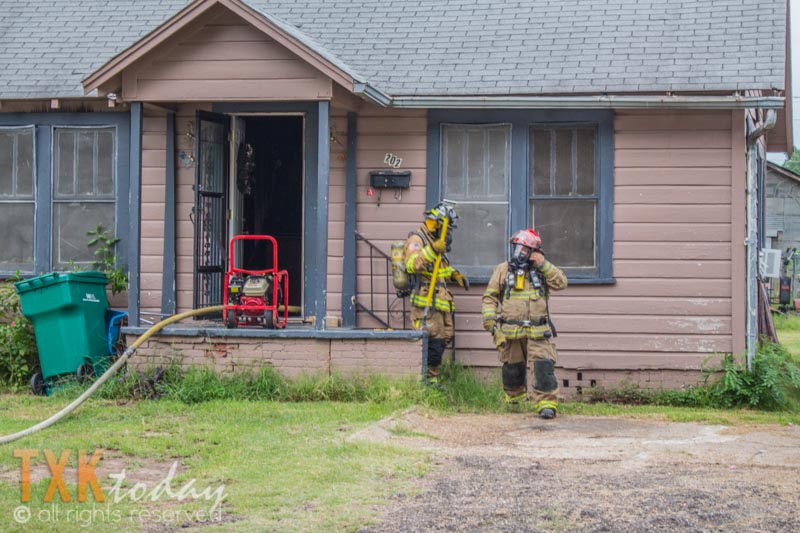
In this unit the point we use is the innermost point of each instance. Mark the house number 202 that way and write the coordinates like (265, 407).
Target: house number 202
(393, 160)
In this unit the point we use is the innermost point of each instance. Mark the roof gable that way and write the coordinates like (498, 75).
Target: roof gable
(783, 171)
(192, 19)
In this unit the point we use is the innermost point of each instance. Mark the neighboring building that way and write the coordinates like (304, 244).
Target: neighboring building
(782, 226)
(618, 129)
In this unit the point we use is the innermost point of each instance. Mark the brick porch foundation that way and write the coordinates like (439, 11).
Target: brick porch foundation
(574, 384)
(291, 357)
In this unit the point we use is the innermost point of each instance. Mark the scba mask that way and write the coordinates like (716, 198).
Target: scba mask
(520, 256)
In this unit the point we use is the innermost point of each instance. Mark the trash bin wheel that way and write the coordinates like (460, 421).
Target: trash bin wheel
(85, 373)
(38, 385)
(230, 319)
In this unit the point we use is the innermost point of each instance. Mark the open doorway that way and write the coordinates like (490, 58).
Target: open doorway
(267, 182)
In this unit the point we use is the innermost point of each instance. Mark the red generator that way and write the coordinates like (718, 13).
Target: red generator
(254, 297)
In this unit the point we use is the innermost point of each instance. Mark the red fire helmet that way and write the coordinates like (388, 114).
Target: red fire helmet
(527, 237)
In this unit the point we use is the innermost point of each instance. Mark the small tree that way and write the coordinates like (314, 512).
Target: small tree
(793, 163)
(106, 258)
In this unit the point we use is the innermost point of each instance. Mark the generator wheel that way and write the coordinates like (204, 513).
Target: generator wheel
(268, 322)
(37, 384)
(230, 319)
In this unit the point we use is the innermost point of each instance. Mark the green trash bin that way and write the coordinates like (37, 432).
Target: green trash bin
(68, 314)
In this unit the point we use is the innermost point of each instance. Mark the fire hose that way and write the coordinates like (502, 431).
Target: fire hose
(108, 373)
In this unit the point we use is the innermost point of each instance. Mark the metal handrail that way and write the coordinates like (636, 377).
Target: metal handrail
(384, 267)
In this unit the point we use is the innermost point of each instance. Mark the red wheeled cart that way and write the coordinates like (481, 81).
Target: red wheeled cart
(253, 297)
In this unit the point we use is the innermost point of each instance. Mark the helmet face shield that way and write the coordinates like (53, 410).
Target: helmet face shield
(520, 255)
(433, 225)
(435, 218)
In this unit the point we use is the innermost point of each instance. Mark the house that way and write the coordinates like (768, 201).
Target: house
(627, 132)
(782, 202)
(781, 224)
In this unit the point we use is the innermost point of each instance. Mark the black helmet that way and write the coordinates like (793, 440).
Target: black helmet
(442, 211)
(435, 217)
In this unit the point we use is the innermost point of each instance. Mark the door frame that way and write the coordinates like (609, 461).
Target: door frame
(233, 193)
(217, 271)
(316, 169)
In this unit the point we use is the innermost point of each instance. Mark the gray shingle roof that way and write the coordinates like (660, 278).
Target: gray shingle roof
(441, 47)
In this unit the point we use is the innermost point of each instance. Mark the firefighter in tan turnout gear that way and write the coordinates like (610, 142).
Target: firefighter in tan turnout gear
(515, 310)
(421, 250)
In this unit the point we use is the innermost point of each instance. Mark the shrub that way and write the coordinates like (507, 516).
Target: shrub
(18, 355)
(773, 384)
(106, 258)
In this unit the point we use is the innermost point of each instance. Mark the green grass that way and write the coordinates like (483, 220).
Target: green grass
(790, 339)
(284, 466)
(728, 417)
(788, 328)
(281, 448)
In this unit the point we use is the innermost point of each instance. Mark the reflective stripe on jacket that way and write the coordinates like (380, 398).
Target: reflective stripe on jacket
(419, 257)
(525, 305)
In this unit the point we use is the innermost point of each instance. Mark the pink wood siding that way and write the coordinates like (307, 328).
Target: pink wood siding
(154, 129)
(336, 211)
(153, 190)
(403, 133)
(184, 192)
(224, 58)
(738, 230)
(677, 297)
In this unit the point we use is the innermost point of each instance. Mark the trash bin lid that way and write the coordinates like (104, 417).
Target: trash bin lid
(53, 278)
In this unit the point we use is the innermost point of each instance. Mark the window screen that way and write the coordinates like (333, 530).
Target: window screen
(476, 166)
(83, 166)
(563, 193)
(16, 199)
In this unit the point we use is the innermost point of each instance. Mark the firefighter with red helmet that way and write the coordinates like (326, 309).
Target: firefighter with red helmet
(419, 256)
(515, 310)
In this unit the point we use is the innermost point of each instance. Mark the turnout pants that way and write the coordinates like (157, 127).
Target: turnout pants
(440, 332)
(529, 367)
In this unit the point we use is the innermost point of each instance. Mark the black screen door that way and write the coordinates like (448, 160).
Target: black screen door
(210, 220)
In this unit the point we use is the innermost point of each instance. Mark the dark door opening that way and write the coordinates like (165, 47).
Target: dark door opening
(272, 198)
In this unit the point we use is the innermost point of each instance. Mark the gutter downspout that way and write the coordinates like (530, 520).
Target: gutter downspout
(752, 235)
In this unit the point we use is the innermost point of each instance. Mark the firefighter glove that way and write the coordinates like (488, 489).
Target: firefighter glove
(500, 341)
(489, 324)
(461, 279)
(439, 246)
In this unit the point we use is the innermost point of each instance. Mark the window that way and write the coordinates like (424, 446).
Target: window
(563, 193)
(476, 167)
(16, 199)
(83, 196)
(60, 176)
(509, 170)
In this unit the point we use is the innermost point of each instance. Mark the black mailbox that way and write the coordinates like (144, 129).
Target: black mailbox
(390, 179)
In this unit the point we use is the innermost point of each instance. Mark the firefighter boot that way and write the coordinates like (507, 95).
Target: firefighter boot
(545, 388)
(435, 351)
(547, 413)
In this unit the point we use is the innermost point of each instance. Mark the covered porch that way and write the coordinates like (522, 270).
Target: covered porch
(213, 83)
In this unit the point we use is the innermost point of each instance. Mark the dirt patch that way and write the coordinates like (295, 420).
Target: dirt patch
(136, 470)
(515, 472)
